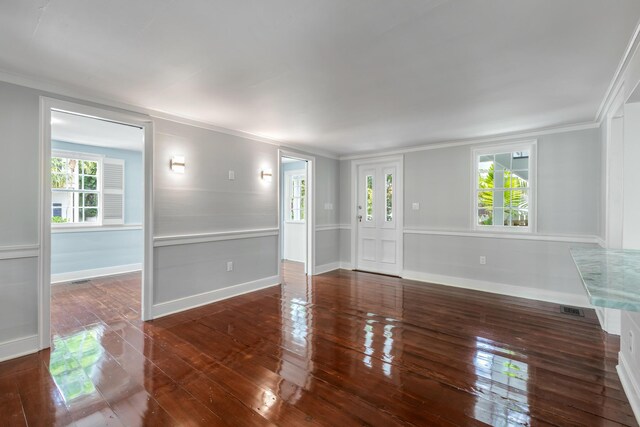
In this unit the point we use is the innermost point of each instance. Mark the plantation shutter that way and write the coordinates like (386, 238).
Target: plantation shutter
(113, 191)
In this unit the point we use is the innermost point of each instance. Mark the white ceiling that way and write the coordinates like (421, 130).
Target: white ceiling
(99, 133)
(344, 76)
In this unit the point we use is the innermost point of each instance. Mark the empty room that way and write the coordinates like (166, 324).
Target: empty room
(320, 213)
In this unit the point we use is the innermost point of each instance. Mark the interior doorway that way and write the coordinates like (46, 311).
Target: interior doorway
(296, 213)
(96, 220)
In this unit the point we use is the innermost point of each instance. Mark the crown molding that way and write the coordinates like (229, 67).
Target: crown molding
(505, 137)
(69, 93)
(618, 77)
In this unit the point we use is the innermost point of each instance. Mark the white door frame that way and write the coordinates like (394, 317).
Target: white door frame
(355, 164)
(44, 262)
(310, 206)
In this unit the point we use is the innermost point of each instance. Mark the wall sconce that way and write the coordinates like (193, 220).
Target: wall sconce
(266, 175)
(177, 164)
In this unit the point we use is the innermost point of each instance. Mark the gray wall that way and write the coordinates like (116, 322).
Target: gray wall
(19, 109)
(202, 200)
(327, 192)
(569, 203)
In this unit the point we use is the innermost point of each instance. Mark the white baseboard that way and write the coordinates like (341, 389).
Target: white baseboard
(96, 272)
(18, 347)
(186, 303)
(500, 288)
(629, 384)
(346, 265)
(325, 268)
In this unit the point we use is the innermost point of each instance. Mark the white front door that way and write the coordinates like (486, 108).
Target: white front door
(379, 217)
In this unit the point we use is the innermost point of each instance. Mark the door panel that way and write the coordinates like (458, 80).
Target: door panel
(379, 236)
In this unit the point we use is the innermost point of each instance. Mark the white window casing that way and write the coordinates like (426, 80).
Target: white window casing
(498, 190)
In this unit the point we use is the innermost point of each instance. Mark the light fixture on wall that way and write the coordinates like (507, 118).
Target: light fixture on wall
(177, 164)
(266, 175)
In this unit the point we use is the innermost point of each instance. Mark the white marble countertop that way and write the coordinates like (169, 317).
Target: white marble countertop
(611, 277)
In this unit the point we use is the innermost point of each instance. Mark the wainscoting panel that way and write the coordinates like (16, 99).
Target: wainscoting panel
(19, 290)
(187, 270)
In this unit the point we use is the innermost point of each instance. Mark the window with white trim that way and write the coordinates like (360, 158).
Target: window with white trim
(504, 187)
(86, 189)
(296, 197)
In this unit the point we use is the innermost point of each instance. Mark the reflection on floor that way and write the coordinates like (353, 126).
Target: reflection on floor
(343, 348)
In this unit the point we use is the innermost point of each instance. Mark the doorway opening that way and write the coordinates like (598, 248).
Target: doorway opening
(296, 214)
(96, 239)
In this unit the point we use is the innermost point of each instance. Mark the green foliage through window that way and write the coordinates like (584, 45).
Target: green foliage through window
(369, 198)
(502, 192)
(75, 190)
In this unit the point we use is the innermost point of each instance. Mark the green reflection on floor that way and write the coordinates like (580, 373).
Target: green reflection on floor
(72, 358)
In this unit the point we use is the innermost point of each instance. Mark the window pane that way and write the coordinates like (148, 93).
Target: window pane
(521, 178)
(504, 178)
(485, 178)
(303, 192)
(62, 207)
(520, 218)
(90, 199)
(485, 217)
(503, 161)
(389, 197)
(498, 216)
(89, 167)
(485, 199)
(498, 179)
(90, 215)
(518, 199)
(520, 160)
(485, 162)
(90, 183)
(369, 181)
(506, 219)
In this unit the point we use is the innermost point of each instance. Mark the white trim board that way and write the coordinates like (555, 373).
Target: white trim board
(327, 227)
(101, 228)
(505, 235)
(193, 301)
(18, 347)
(95, 272)
(188, 239)
(499, 288)
(20, 251)
(325, 268)
(629, 385)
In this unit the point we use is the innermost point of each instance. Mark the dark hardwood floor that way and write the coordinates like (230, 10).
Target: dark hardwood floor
(341, 349)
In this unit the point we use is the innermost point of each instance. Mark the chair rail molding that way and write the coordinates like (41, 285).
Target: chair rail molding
(19, 251)
(188, 239)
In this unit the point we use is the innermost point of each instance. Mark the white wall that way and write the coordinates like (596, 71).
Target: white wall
(569, 204)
